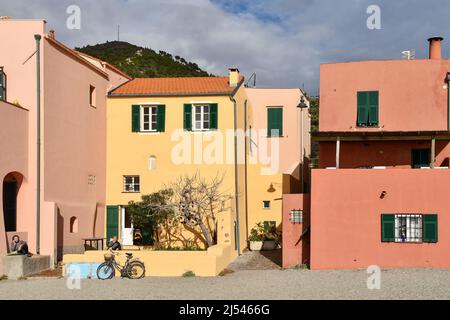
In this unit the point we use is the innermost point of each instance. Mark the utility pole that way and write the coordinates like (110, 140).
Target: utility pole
(118, 32)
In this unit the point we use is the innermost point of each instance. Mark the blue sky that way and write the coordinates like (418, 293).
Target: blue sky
(283, 41)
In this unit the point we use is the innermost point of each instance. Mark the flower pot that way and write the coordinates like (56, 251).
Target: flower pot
(256, 245)
(263, 245)
(269, 245)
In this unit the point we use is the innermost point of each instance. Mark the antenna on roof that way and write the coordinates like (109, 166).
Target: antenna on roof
(409, 54)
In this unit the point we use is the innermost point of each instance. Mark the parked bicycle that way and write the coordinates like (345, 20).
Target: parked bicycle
(133, 268)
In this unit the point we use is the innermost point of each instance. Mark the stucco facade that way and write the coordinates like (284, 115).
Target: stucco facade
(289, 166)
(73, 138)
(379, 195)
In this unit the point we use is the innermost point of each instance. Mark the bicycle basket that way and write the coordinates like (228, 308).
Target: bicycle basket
(109, 257)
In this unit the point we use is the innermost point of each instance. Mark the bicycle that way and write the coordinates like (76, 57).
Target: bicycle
(133, 268)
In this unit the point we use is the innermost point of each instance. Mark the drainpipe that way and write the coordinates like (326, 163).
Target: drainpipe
(246, 169)
(448, 101)
(236, 183)
(37, 37)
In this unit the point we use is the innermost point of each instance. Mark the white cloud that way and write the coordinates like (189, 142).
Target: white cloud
(284, 51)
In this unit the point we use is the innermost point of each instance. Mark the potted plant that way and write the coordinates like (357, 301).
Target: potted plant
(263, 237)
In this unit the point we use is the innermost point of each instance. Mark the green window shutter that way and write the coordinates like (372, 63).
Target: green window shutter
(388, 228)
(373, 108)
(213, 116)
(274, 121)
(187, 117)
(161, 118)
(112, 222)
(430, 228)
(363, 109)
(135, 118)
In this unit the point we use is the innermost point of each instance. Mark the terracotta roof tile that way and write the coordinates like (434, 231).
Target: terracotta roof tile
(175, 86)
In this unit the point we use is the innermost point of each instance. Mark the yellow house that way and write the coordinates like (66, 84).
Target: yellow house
(159, 129)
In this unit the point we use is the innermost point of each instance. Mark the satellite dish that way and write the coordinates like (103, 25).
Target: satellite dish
(409, 54)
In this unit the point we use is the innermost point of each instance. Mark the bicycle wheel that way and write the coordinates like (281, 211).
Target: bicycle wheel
(136, 270)
(105, 271)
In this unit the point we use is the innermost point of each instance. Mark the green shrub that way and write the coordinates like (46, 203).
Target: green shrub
(188, 274)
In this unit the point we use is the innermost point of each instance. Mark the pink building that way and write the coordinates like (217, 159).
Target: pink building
(380, 194)
(72, 140)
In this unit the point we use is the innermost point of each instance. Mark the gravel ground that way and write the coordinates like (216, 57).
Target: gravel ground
(245, 284)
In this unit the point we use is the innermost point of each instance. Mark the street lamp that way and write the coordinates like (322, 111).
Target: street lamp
(301, 105)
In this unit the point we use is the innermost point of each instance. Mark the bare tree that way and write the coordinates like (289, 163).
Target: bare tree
(198, 201)
(190, 200)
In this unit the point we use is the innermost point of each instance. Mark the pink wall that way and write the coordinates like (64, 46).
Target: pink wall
(346, 217)
(17, 45)
(75, 143)
(73, 135)
(14, 158)
(258, 101)
(412, 94)
(295, 248)
(391, 154)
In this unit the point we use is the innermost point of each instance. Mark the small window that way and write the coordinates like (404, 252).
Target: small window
(274, 122)
(408, 228)
(73, 225)
(201, 117)
(367, 109)
(92, 96)
(2, 84)
(131, 184)
(152, 163)
(149, 118)
(420, 158)
(266, 204)
(296, 216)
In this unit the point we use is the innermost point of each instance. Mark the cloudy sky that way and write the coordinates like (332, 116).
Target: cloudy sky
(283, 41)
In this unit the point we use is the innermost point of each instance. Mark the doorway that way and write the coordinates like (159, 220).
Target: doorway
(11, 185)
(127, 228)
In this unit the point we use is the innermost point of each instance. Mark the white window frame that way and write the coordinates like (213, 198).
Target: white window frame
(412, 233)
(202, 116)
(132, 185)
(153, 126)
(264, 206)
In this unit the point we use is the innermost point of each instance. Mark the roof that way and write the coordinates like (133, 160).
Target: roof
(186, 86)
(107, 64)
(380, 135)
(74, 55)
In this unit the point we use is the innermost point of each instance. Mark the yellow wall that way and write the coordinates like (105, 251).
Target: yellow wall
(168, 263)
(128, 152)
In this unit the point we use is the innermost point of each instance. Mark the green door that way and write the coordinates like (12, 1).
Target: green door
(112, 222)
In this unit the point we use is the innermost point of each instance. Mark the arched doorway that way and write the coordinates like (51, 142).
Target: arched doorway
(11, 186)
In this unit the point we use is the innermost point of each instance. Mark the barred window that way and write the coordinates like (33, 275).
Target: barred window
(131, 184)
(296, 216)
(408, 228)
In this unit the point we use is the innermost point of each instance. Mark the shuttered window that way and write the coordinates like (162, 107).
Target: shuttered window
(274, 122)
(148, 118)
(409, 228)
(367, 109)
(200, 117)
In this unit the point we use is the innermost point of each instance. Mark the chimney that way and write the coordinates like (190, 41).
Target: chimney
(52, 34)
(435, 48)
(234, 77)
